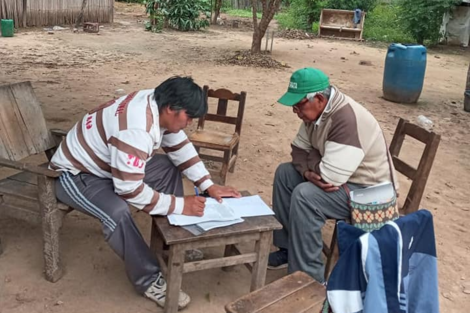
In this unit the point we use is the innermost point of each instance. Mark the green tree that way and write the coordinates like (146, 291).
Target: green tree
(179, 14)
(423, 18)
(259, 29)
(364, 5)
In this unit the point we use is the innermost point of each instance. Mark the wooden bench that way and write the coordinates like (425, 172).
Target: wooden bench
(340, 24)
(295, 293)
(255, 229)
(29, 195)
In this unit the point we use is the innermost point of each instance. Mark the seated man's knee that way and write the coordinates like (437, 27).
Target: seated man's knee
(283, 171)
(306, 192)
(120, 211)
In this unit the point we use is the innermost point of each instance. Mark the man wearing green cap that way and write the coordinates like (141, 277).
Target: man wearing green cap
(339, 142)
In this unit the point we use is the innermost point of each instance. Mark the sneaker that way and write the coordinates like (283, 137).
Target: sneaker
(277, 260)
(157, 293)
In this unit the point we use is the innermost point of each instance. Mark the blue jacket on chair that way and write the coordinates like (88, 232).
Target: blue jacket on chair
(393, 269)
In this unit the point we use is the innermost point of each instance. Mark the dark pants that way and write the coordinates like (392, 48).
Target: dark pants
(303, 208)
(96, 197)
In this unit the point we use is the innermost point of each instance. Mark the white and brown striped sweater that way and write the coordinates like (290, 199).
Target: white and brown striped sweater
(117, 139)
(345, 145)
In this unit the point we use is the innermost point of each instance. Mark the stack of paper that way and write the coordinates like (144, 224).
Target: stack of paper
(227, 213)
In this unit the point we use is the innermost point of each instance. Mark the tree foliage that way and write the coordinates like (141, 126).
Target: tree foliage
(182, 15)
(423, 18)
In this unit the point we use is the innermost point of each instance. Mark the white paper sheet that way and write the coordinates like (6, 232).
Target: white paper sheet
(205, 226)
(249, 206)
(213, 211)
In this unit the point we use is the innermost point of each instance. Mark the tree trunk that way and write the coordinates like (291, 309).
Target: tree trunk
(256, 43)
(80, 16)
(217, 7)
(269, 9)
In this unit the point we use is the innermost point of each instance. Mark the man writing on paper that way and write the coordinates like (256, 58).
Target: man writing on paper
(339, 142)
(109, 162)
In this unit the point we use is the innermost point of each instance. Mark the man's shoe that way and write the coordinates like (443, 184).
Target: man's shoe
(277, 260)
(157, 293)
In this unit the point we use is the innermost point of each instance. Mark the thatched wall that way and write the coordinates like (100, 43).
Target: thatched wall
(55, 12)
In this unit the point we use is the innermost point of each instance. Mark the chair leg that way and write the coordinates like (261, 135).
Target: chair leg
(234, 152)
(1, 248)
(332, 255)
(224, 170)
(52, 218)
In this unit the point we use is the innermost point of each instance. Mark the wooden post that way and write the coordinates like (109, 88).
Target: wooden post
(51, 223)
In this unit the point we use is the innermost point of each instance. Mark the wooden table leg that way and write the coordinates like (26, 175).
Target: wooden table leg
(230, 250)
(174, 278)
(262, 247)
(157, 246)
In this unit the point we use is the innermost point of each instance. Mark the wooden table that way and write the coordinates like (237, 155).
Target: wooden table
(294, 293)
(255, 229)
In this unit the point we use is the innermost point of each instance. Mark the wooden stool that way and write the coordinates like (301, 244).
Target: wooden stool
(295, 293)
(258, 229)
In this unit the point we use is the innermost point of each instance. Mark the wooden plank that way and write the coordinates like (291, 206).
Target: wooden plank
(19, 189)
(262, 248)
(214, 140)
(221, 118)
(417, 132)
(347, 29)
(30, 168)
(25, 177)
(23, 125)
(10, 130)
(416, 191)
(404, 168)
(32, 116)
(305, 299)
(210, 157)
(251, 225)
(267, 296)
(220, 262)
(221, 241)
(20, 213)
(224, 94)
(174, 278)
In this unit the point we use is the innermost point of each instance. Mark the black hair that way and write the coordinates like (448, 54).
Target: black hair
(181, 93)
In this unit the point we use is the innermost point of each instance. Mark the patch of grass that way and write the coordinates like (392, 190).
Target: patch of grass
(382, 24)
(242, 13)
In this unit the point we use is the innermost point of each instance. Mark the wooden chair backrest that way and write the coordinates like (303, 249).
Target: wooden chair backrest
(224, 96)
(23, 130)
(419, 175)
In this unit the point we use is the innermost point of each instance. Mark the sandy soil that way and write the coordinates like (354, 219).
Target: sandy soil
(73, 73)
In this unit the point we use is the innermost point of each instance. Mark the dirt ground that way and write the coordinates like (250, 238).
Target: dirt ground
(72, 73)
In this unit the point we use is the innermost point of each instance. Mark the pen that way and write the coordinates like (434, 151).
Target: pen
(196, 191)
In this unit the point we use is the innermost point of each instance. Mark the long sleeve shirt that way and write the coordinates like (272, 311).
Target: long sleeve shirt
(117, 139)
(345, 144)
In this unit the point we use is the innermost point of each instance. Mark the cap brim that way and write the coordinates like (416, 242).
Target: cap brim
(291, 99)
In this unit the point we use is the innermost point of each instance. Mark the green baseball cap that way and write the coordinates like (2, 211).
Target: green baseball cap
(303, 82)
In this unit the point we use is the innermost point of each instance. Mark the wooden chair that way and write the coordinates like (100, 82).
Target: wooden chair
(29, 195)
(419, 175)
(294, 293)
(228, 143)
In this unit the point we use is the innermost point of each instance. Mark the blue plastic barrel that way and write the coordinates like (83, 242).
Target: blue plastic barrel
(405, 66)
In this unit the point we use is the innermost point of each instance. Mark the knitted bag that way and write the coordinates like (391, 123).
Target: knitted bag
(369, 217)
